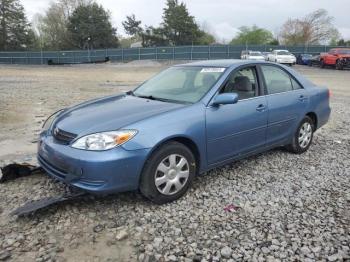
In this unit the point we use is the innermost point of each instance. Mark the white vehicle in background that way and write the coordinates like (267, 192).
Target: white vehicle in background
(266, 54)
(252, 55)
(282, 57)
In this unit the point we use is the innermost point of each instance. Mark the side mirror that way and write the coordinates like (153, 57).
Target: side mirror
(225, 99)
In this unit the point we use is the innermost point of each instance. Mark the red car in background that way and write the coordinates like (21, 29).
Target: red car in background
(338, 57)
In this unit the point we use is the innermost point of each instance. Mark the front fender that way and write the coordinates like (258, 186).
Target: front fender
(187, 122)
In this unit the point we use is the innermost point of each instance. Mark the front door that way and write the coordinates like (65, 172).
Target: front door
(240, 128)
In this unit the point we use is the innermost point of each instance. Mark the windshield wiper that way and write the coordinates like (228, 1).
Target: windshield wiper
(147, 97)
(150, 97)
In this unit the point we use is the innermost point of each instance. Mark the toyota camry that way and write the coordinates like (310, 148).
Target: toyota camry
(179, 124)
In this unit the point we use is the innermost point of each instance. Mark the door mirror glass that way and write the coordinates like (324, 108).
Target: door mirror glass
(225, 99)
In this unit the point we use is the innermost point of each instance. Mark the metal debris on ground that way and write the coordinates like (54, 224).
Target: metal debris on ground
(33, 206)
(14, 171)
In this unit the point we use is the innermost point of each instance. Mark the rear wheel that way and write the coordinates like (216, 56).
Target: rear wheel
(168, 173)
(303, 136)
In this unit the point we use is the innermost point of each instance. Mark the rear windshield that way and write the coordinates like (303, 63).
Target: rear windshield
(283, 53)
(344, 52)
(255, 54)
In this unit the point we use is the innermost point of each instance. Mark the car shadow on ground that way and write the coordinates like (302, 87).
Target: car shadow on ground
(134, 199)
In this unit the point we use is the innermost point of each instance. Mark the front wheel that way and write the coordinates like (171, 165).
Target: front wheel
(339, 65)
(322, 64)
(303, 136)
(168, 173)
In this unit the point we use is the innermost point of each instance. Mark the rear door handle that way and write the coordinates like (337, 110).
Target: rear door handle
(261, 108)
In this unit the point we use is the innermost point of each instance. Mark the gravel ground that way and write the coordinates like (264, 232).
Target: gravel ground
(273, 207)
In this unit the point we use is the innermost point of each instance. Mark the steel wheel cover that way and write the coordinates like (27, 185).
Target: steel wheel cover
(305, 135)
(172, 174)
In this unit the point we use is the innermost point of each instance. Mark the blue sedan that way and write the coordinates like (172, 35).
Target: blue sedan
(183, 122)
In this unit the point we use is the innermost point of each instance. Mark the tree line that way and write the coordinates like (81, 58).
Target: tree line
(84, 24)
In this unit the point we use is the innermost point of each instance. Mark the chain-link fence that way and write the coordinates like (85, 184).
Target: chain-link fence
(153, 53)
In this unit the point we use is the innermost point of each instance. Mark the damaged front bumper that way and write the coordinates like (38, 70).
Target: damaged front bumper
(103, 172)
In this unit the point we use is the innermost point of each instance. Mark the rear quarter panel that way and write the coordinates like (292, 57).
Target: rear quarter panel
(319, 104)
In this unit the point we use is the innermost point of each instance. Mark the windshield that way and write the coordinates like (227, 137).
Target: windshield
(344, 52)
(255, 54)
(306, 55)
(180, 84)
(283, 53)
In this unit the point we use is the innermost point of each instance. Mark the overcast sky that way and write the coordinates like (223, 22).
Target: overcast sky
(221, 17)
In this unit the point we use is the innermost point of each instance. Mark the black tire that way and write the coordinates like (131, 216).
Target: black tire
(322, 64)
(148, 185)
(295, 146)
(338, 65)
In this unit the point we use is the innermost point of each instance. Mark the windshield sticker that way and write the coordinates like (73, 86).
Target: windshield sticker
(213, 70)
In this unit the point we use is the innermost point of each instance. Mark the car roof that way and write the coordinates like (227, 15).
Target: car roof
(340, 48)
(218, 63)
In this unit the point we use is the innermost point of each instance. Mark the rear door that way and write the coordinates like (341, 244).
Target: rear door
(287, 102)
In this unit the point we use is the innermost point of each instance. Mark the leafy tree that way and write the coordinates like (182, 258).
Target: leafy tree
(178, 28)
(90, 27)
(274, 41)
(15, 31)
(314, 28)
(132, 26)
(154, 36)
(205, 38)
(342, 42)
(52, 26)
(178, 25)
(253, 36)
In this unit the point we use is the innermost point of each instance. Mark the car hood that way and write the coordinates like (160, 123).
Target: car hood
(344, 56)
(110, 113)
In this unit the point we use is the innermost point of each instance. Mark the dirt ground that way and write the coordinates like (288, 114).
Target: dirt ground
(29, 94)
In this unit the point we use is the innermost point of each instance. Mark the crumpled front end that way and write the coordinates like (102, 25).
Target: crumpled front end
(102, 172)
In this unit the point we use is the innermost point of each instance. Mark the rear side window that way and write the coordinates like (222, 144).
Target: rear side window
(278, 81)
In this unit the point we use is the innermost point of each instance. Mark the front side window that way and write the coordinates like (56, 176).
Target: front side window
(181, 84)
(295, 84)
(278, 81)
(243, 82)
(344, 51)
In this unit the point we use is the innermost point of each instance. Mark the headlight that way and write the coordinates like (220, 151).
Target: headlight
(104, 141)
(48, 122)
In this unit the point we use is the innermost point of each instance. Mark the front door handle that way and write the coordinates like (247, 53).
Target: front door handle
(261, 108)
(302, 98)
